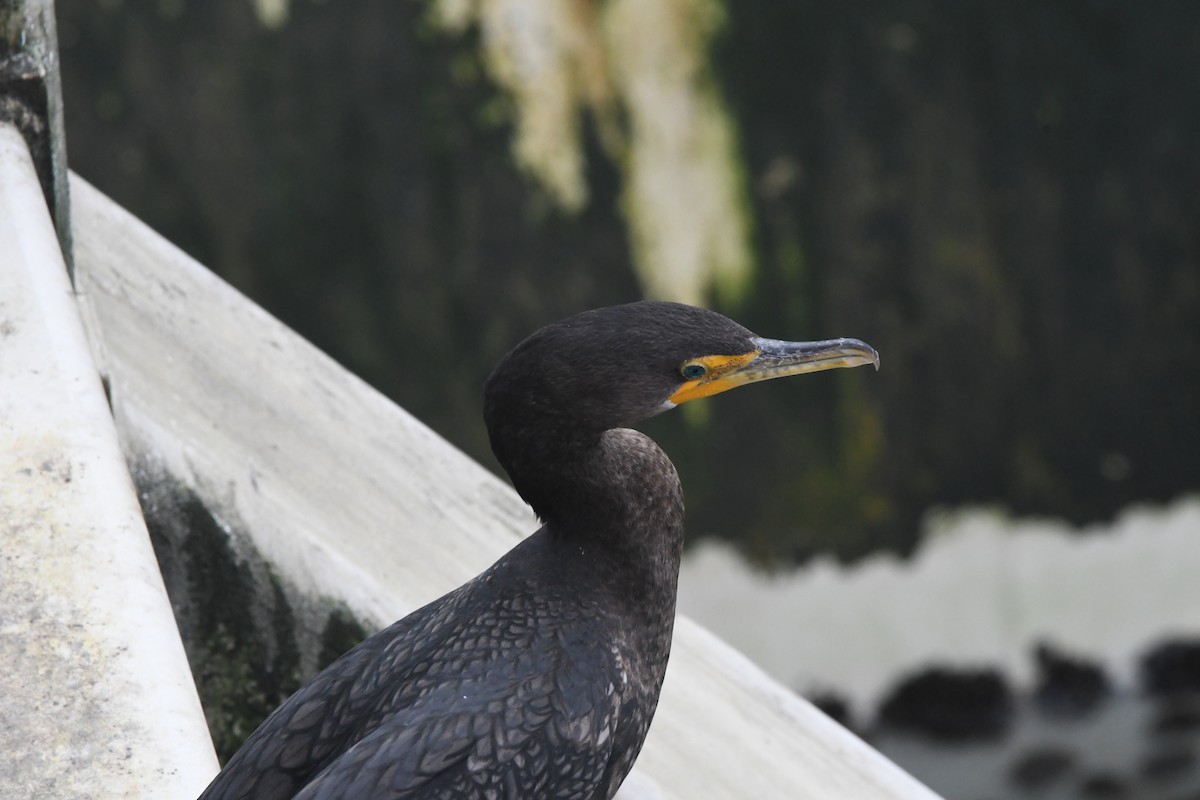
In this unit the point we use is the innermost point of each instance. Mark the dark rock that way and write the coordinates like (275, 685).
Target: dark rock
(1171, 667)
(951, 704)
(1177, 713)
(1167, 764)
(1068, 687)
(1040, 767)
(1104, 786)
(834, 706)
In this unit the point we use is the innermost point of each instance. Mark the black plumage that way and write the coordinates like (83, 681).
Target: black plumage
(539, 677)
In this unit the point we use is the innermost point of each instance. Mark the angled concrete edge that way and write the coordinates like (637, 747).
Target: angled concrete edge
(96, 699)
(350, 498)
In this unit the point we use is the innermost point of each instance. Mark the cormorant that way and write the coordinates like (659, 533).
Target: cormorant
(539, 677)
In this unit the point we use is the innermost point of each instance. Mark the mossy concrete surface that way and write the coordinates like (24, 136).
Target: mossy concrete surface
(251, 638)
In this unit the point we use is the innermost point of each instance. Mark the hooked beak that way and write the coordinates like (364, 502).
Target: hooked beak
(773, 358)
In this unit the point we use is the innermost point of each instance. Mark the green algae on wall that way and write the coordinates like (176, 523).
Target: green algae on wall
(641, 69)
(684, 197)
(533, 50)
(251, 638)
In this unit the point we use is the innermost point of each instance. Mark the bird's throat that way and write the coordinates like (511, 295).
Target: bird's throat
(615, 502)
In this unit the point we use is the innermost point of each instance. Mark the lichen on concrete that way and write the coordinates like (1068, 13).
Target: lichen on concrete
(641, 71)
(273, 13)
(684, 185)
(58, 685)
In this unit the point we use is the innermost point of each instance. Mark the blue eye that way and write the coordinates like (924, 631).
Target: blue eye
(693, 371)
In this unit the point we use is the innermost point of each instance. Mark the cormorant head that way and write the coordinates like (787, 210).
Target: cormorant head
(612, 367)
(561, 388)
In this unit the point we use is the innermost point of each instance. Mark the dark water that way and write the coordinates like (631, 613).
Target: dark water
(1132, 747)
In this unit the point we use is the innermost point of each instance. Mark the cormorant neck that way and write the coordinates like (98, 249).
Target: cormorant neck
(614, 496)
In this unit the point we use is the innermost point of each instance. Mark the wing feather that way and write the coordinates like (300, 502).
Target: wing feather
(479, 692)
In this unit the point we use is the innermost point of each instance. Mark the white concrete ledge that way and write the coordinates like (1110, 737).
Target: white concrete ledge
(352, 499)
(96, 699)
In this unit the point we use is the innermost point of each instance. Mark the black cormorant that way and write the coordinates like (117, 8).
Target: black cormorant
(539, 677)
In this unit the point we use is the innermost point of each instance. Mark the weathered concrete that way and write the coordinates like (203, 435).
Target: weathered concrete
(353, 502)
(95, 695)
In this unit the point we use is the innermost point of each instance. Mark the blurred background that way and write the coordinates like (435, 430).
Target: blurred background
(1002, 197)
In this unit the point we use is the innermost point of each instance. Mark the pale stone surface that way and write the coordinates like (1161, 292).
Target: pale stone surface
(96, 699)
